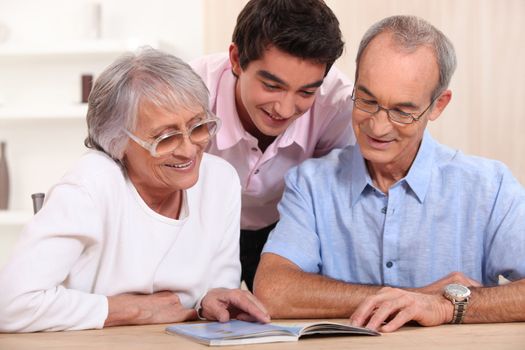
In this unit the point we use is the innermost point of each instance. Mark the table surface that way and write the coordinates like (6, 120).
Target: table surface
(476, 337)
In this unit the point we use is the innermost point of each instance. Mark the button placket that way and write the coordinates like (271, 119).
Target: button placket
(391, 237)
(254, 163)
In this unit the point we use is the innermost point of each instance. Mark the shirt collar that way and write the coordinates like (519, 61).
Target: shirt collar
(359, 173)
(420, 173)
(297, 132)
(418, 177)
(232, 130)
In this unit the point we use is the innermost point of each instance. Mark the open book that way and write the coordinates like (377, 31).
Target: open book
(239, 332)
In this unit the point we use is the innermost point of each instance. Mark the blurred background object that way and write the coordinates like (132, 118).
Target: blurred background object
(4, 178)
(4, 32)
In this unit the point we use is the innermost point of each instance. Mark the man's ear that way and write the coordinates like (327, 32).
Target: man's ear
(440, 105)
(234, 60)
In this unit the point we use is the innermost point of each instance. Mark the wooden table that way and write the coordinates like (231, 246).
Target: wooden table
(465, 337)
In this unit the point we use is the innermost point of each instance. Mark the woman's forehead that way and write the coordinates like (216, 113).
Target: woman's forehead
(151, 116)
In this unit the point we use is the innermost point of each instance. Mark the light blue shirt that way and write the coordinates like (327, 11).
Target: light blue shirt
(451, 212)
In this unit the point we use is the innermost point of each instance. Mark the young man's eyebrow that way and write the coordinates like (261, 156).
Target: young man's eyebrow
(313, 85)
(267, 75)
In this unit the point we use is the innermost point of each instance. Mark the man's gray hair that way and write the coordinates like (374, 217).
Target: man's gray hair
(146, 76)
(410, 33)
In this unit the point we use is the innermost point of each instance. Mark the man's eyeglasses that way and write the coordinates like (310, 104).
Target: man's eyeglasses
(198, 133)
(394, 115)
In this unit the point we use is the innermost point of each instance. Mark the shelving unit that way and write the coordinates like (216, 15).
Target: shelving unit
(83, 49)
(22, 114)
(42, 119)
(14, 217)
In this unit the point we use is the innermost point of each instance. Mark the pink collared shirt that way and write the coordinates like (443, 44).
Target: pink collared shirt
(325, 126)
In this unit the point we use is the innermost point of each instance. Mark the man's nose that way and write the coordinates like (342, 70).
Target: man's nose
(380, 123)
(286, 106)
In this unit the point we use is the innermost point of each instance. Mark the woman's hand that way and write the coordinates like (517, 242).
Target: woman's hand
(160, 307)
(223, 304)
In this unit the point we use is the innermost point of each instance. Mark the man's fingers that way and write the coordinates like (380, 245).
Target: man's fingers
(382, 313)
(363, 313)
(366, 309)
(461, 278)
(474, 283)
(397, 322)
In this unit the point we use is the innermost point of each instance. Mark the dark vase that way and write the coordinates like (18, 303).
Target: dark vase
(4, 178)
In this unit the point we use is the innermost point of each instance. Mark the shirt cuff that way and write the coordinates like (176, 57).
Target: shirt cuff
(198, 307)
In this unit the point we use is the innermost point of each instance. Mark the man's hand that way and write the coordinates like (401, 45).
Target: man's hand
(391, 308)
(160, 307)
(454, 277)
(223, 304)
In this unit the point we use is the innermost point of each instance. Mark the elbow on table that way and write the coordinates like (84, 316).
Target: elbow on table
(14, 314)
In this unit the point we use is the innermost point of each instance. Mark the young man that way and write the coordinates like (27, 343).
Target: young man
(280, 102)
(398, 227)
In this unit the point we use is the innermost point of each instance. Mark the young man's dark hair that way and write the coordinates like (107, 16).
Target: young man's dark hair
(307, 29)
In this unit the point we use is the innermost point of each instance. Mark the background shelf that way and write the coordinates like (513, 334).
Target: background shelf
(12, 113)
(80, 49)
(14, 217)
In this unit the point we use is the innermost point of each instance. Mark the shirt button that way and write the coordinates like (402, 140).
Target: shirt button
(383, 210)
(389, 264)
(254, 149)
(256, 171)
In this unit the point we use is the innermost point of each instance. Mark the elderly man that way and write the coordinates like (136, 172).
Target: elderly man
(398, 227)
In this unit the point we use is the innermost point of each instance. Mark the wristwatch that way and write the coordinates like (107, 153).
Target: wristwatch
(459, 295)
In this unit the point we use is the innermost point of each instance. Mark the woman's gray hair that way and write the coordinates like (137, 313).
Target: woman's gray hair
(146, 76)
(410, 33)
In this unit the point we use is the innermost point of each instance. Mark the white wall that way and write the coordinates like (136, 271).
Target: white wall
(40, 150)
(486, 115)
(47, 147)
(43, 22)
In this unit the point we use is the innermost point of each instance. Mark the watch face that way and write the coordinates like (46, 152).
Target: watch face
(457, 291)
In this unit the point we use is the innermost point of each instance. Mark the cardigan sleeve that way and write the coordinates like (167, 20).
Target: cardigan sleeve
(33, 296)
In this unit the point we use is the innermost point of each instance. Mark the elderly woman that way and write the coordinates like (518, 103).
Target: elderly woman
(145, 227)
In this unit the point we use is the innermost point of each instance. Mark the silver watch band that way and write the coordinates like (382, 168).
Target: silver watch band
(460, 308)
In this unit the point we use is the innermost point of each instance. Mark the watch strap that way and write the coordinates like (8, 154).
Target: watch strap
(460, 308)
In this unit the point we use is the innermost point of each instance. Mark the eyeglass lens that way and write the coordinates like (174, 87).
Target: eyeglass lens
(393, 114)
(198, 134)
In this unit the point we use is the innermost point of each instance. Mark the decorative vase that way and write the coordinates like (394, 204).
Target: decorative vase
(4, 178)
(4, 33)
